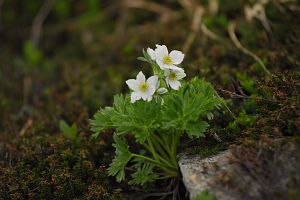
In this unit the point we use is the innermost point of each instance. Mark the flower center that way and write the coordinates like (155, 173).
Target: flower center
(172, 76)
(143, 87)
(167, 60)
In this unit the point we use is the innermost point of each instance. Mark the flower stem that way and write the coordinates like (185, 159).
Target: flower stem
(156, 155)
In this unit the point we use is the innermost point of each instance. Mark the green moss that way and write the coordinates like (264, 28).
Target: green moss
(51, 167)
(206, 151)
(205, 195)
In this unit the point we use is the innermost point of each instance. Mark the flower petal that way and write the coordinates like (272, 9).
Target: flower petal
(162, 90)
(132, 84)
(152, 89)
(152, 81)
(134, 97)
(149, 98)
(161, 52)
(140, 77)
(177, 57)
(160, 64)
(180, 75)
(175, 68)
(174, 84)
(145, 95)
(151, 53)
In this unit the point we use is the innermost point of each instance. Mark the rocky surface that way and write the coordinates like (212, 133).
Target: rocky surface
(199, 173)
(265, 170)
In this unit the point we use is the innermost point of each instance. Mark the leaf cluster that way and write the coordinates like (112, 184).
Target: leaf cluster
(184, 111)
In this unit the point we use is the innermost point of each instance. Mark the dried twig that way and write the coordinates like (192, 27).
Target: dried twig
(189, 5)
(27, 125)
(213, 6)
(197, 24)
(27, 83)
(165, 13)
(209, 33)
(37, 25)
(198, 13)
(236, 42)
(258, 12)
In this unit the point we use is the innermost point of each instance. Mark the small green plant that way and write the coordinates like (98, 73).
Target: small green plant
(31, 53)
(205, 195)
(247, 83)
(69, 132)
(242, 121)
(157, 113)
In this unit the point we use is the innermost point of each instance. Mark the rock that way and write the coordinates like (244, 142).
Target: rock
(199, 173)
(267, 169)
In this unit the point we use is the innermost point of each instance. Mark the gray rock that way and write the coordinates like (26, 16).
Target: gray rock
(258, 172)
(199, 173)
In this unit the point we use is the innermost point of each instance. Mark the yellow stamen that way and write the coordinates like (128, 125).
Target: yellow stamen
(167, 60)
(143, 87)
(172, 76)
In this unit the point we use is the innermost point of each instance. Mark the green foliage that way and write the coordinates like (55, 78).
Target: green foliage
(123, 155)
(62, 8)
(127, 118)
(69, 132)
(143, 174)
(93, 6)
(242, 121)
(157, 126)
(184, 110)
(246, 82)
(205, 195)
(31, 53)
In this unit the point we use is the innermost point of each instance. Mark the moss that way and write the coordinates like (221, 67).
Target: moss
(206, 151)
(51, 167)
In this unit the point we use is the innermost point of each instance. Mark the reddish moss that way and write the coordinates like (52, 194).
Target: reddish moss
(51, 167)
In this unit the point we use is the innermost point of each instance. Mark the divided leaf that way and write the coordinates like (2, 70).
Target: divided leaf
(139, 119)
(186, 109)
(143, 175)
(123, 156)
(196, 129)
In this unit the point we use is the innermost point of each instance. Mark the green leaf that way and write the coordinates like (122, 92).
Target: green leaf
(142, 59)
(123, 156)
(186, 109)
(143, 175)
(139, 119)
(102, 121)
(246, 82)
(68, 131)
(31, 53)
(196, 129)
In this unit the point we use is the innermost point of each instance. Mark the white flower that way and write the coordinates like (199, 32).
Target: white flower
(142, 88)
(173, 77)
(162, 90)
(166, 60)
(151, 53)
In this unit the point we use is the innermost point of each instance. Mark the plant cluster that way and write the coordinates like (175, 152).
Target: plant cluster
(158, 112)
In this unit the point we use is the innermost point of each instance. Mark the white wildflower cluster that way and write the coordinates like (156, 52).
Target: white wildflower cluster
(171, 76)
